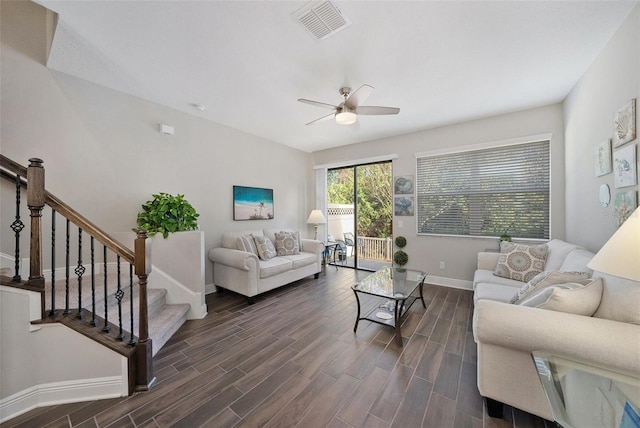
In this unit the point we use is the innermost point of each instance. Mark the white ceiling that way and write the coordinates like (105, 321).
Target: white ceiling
(248, 62)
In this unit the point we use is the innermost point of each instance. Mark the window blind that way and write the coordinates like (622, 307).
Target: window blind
(488, 192)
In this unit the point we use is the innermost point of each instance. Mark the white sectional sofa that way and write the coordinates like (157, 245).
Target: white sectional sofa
(506, 334)
(241, 269)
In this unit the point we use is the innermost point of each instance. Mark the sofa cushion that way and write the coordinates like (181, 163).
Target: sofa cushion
(484, 275)
(274, 266)
(558, 250)
(247, 243)
(580, 298)
(500, 293)
(301, 259)
(620, 299)
(287, 243)
(266, 250)
(576, 261)
(546, 279)
(521, 262)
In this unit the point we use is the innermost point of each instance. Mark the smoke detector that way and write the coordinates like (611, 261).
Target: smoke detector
(321, 19)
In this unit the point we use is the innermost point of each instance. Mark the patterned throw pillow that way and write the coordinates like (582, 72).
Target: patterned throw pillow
(287, 243)
(246, 243)
(266, 250)
(544, 280)
(521, 262)
(580, 298)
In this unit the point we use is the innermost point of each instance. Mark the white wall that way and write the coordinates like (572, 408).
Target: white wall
(611, 81)
(459, 254)
(104, 155)
(75, 368)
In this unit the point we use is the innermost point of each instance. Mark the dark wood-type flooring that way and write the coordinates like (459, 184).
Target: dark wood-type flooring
(293, 360)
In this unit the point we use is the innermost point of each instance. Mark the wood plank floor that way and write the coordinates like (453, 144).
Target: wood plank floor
(292, 359)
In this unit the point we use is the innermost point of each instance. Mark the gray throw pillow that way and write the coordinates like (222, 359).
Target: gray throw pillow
(544, 280)
(521, 262)
(266, 250)
(246, 243)
(580, 298)
(287, 243)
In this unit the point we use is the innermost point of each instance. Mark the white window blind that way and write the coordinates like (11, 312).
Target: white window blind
(488, 192)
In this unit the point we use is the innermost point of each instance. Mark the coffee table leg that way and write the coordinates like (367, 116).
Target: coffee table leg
(421, 296)
(358, 316)
(397, 314)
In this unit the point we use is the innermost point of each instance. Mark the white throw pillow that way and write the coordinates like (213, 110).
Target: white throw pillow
(574, 298)
(266, 250)
(544, 280)
(521, 262)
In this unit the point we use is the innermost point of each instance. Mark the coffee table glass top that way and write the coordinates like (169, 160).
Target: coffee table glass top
(391, 283)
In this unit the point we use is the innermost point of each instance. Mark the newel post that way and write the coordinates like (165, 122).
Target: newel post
(142, 265)
(35, 203)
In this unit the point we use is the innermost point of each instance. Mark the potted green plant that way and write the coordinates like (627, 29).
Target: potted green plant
(400, 258)
(166, 214)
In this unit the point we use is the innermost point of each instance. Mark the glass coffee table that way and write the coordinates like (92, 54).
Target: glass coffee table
(398, 286)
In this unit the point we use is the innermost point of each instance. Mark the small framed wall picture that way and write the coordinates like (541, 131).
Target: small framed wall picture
(624, 167)
(403, 205)
(624, 124)
(403, 185)
(602, 156)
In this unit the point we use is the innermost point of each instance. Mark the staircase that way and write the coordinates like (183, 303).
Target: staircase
(164, 319)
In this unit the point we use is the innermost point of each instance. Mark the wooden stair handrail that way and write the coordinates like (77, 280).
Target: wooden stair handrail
(68, 212)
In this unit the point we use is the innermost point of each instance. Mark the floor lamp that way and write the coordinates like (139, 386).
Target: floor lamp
(316, 218)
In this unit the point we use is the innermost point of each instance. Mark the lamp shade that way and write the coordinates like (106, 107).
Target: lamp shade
(316, 217)
(620, 256)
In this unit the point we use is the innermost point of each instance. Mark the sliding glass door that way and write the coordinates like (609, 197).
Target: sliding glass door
(359, 208)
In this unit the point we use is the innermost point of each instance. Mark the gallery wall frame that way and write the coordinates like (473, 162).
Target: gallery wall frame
(403, 206)
(624, 124)
(602, 155)
(252, 203)
(624, 167)
(403, 185)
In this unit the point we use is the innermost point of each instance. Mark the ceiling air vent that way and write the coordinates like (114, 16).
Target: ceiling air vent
(321, 19)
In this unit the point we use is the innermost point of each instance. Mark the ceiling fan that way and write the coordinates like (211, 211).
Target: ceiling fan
(346, 113)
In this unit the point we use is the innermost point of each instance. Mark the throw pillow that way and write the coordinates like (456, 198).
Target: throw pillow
(521, 262)
(580, 298)
(266, 250)
(287, 243)
(246, 243)
(545, 279)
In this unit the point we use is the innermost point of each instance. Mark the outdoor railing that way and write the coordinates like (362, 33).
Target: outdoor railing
(375, 248)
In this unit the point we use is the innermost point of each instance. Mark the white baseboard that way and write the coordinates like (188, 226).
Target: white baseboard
(60, 393)
(449, 282)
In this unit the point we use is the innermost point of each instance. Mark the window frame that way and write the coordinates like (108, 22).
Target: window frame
(541, 138)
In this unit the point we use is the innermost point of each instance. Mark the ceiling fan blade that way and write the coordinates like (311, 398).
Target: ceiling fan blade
(374, 110)
(321, 119)
(317, 103)
(356, 98)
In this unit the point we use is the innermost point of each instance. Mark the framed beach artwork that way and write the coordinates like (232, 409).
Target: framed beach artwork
(252, 203)
(624, 124)
(403, 185)
(624, 167)
(403, 205)
(602, 154)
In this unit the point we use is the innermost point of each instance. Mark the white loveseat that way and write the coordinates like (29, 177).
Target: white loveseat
(506, 334)
(246, 273)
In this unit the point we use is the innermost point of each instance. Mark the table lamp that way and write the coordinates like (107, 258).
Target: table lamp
(316, 217)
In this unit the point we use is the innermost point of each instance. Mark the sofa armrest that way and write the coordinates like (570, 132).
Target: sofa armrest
(234, 258)
(604, 342)
(312, 246)
(487, 260)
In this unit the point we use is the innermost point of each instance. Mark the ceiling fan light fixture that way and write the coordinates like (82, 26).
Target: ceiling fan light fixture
(346, 117)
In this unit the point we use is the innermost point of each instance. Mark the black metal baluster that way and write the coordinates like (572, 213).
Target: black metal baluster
(79, 271)
(119, 296)
(53, 311)
(66, 270)
(106, 314)
(132, 342)
(17, 227)
(93, 285)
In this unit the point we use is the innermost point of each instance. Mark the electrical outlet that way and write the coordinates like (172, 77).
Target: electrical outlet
(442, 265)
